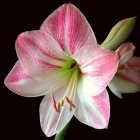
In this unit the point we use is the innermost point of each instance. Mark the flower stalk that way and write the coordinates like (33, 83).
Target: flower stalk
(61, 135)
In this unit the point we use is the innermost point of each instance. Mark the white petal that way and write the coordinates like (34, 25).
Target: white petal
(53, 122)
(93, 111)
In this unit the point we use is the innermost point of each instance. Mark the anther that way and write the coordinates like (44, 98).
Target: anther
(57, 108)
(54, 103)
(70, 103)
(62, 103)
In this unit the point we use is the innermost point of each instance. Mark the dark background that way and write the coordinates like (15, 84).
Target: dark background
(19, 116)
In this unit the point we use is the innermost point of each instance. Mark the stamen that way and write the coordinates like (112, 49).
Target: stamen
(70, 103)
(70, 90)
(54, 103)
(57, 108)
(62, 103)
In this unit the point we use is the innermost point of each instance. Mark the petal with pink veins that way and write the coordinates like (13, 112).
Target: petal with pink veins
(119, 85)
(93, 111)
(24, 84)
(98, 66)
(130, 75)
(134, 63)
(70, 28)
(38, 51)
(27, 85)
(131, 71)
(126, 52)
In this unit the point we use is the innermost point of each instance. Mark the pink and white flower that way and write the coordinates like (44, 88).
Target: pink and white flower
(63, 61)
(127, 78)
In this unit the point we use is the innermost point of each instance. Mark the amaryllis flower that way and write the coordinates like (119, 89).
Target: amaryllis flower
(63, 61)
(127, 78)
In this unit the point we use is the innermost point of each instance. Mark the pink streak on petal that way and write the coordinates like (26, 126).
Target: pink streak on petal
(102, 102)
(93, 111)
(17, 74)
(130, 75)
(24, 84)
(43, 42)
(98, 67)
(70, 28)
(36, 50)
(101, 65)
(134, 63)
(131, 70)
(48, 65)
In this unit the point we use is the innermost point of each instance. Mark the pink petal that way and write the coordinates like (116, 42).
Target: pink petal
(129, 73)
(24, 84)
(53, 122)
(126, 52)
(38, 51)
(29, 85)
(119, 85)
(70, 28)
(98, 66)
(93, 111)
(134, 63)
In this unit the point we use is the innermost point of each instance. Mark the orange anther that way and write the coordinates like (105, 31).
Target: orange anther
(57, 108)
(70, 103)
(62, 103)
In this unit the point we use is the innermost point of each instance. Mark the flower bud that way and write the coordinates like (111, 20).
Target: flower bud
(119, 33)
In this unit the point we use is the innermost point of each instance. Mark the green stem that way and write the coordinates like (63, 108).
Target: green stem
(61, 135)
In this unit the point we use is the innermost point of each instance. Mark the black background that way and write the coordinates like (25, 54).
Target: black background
(19, 117)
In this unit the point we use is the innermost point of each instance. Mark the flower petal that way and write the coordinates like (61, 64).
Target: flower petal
(119, 85)
(127, 79)
(131, 71)
(24, 84)
(134, 63)
(93, 111)
(53, 122)
(126, 52)
(98, 66)
(38, 51)
(70, 28)
(130, 75)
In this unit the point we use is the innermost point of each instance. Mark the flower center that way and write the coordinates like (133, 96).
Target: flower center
(73, 65)
(71, 88)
